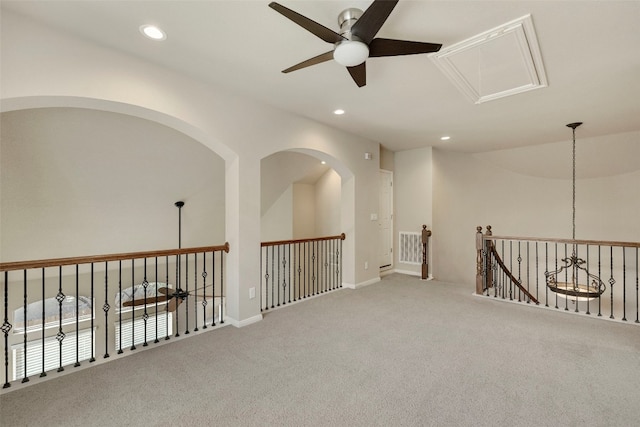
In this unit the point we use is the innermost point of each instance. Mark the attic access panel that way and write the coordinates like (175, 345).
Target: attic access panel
(501, 62)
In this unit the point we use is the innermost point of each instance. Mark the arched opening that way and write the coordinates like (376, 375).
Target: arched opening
(300, 197)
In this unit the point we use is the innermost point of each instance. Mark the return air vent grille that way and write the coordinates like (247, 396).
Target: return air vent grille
(410, 247)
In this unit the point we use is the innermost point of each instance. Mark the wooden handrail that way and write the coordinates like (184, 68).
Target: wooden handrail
(55, 262)
(510, 275)
(568, 241)
(314, 239)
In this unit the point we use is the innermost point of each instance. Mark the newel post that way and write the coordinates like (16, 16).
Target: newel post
(425, 252)
(488, 271)
(479, 258)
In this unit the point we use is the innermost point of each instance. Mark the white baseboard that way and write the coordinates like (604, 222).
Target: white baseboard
(408, 273)
(361, 284)
(245, 322)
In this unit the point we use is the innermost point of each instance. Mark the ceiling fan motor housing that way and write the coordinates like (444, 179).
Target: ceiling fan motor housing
(353, 51)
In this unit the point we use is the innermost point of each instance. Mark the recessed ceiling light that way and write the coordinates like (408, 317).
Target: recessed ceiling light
(445, 138)
(323, 162)
(153, 32)
(338, 112)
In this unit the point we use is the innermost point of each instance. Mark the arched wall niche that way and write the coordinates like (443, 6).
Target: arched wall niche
(300, 195)
(84, 181)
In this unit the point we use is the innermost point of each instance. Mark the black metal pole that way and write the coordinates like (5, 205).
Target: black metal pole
(179, 204)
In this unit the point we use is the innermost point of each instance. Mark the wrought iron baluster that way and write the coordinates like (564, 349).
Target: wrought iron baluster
(93, 338)
(612, 281)
(599, 280)
(120, 351)
(588, 283)
(60, 297)
(519, 259)
(637, 288)
(44, 373)
(145, 315)
(77, 318)
(105, 308)
(289, 270)
(195, 290)
(537, 274)
(167, 313)
(221, 286)
(624, 285)
(340, 262)
(546, 273)
(556, 259)
(266, 279)
(156, 340)
(313, 267)
(24, 324)
(204, 293)
(177, 292)
(273, 276)
(305, 283)
(528, 277)
(186, 284)
(278, 281)
(213, 277)
(6, 327)
(133, 306)
(566, 277)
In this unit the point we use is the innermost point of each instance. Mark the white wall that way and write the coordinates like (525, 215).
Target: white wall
(412, 192)
(76, 182)
(304, 211)
(277, 221)
(327, 201)
(477, 190)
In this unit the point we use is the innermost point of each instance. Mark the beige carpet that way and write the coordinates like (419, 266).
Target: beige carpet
(402, 352)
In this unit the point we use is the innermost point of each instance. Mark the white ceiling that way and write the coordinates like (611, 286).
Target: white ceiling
(590, 50)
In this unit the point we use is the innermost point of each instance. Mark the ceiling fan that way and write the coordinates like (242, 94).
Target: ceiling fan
(355, 42)
(174, 296)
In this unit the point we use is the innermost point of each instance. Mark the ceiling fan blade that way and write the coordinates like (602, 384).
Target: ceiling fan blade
(173, 304)
(389, 47)
(164, 290)
(309, 62)
(148, 301)
(313, 27)
(368, 25)
(359, 74)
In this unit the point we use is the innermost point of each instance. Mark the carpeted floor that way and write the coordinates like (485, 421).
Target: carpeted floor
(401, 352)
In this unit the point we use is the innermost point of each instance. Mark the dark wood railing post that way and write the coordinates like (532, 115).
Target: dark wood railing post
(425, 252)
(479, 258)
(488, 271)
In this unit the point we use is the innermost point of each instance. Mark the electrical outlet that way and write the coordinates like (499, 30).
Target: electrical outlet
(252, 293)
(366, 265)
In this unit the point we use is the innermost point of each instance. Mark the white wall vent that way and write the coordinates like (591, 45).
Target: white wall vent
(51, 353)
(410, 247)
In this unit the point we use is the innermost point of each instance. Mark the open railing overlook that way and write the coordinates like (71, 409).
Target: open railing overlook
(65, 312)
(582, 276)
(296, 269)
(68, 311)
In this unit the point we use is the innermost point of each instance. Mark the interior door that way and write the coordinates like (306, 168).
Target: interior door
(385, 220)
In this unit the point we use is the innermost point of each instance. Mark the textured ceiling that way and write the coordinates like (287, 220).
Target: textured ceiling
(589, 49)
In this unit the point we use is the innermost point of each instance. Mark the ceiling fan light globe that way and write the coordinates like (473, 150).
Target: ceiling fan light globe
(350, 53)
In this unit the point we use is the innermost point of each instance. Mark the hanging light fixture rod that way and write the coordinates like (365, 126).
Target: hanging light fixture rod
(179, 204)
(574, 126)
